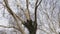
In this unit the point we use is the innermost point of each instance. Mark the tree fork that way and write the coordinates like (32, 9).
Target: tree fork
(31, 26)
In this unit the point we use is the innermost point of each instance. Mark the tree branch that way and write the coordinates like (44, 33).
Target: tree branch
(11, 12)
(27, 13)
(14, 16)
(36, 11)
(9, 27)
(39, 2)
(36, 7)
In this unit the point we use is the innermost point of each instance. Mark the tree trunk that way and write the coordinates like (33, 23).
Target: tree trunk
(31, 26)
(32, 32)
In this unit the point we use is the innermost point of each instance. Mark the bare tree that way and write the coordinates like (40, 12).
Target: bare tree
(30, 24)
